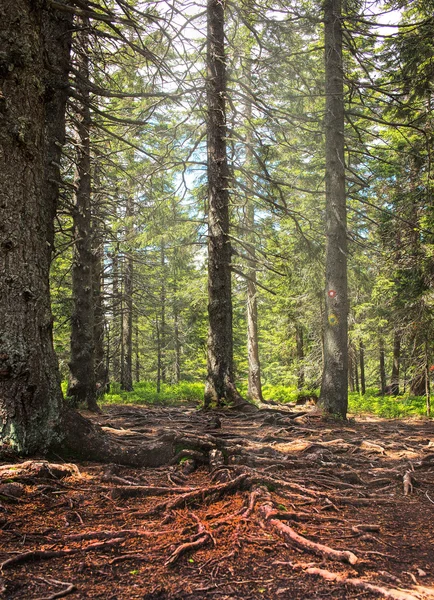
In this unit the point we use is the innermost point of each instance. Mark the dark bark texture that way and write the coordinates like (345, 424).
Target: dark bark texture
(220, 387)
(31, 93)
(334, 386)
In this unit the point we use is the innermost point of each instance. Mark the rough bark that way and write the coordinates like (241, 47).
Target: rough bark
(334, 385)
(30, 395)
(220, 386)
(82, 384)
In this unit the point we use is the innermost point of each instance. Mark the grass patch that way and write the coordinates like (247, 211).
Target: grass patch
(145, 392)
(389, 407)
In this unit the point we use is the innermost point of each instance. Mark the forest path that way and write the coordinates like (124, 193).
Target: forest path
(263, 505)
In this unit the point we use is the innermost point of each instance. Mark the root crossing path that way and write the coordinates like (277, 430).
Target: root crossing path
(264, 505)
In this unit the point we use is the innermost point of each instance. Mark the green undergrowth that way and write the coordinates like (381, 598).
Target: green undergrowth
(390, 407)
(145, 392)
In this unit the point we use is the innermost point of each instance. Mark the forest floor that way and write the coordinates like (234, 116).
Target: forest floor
(265, 505)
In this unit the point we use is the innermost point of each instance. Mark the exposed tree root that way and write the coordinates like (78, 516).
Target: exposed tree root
(214, 490)
(268, 513)
(360, 583)
(48, 554)
(70, 587)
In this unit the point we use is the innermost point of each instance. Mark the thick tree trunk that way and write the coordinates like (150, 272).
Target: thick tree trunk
(299, 342)
(334, 386)
(362, 368)
(220, 386)
(127, 309)
(30, 397)
(394, 383)
(82, 384)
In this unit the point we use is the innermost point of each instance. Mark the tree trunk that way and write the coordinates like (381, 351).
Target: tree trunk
(137, 369)
(334, 386)
(101, 370)
(362, 368)
(220, 386)
(177, 347)
(299, 342)
(356, 371)
(127, 307)
(82, 384)
(163, 314)
(115, 337)
(30, 397)
(101, 373)
(351, 369)
(382, 368)
(157, 329)
(394, 384)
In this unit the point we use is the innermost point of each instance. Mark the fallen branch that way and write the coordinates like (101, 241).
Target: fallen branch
(267, 512)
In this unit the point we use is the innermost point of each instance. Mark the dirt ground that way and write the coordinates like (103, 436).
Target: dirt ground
(255, 506)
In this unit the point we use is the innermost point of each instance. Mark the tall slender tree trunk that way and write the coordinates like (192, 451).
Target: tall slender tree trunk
(396, 363)
(101, 374)
(31, 403)
(116, 310)
(163, 314)
(334, 386)
(82, 383)
(299, 342)
(362, 368)
(158, 331)
(137, 367)
(356, 371)
(177, 346)
(351, 369)
(101, 371)
(254, 376)
(127, 308)
(254, 390)
(382, 368)
(220, 387)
